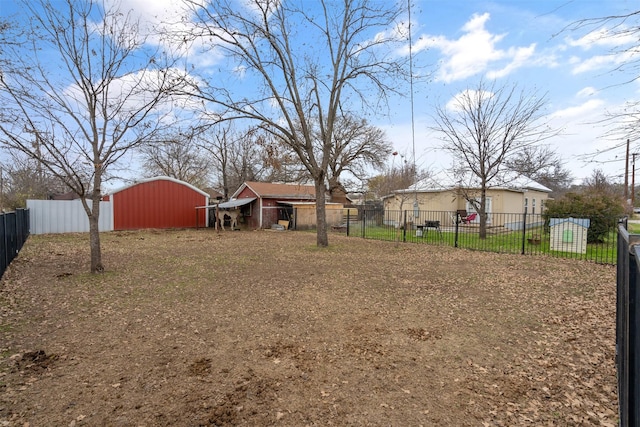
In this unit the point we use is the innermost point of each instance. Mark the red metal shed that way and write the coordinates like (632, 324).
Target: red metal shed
(160, 202)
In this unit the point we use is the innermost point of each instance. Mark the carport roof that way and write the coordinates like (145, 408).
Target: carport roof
(236, 203)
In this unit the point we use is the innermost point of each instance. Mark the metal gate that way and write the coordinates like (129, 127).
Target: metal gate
(628, 327)
(14, 230)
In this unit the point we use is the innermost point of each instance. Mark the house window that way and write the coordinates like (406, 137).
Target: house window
(526, 204)
(487, 209)
(541, 205)
(533, 206)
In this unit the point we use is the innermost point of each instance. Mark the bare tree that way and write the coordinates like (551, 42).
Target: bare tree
(623, 30)
(177, 155)
(358, 147)
(282, 164)
(622, 33)
(236, 156)
(483, 128)
(394, 177)
(79, 95)
(23, 178)
(542, 164)
(310, 62)
(599, 183)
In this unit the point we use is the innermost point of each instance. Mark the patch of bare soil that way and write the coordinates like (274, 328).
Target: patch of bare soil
(194, 328)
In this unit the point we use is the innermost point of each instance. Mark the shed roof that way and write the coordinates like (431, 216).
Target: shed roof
(161, 178)
(278, 191)
(582, 222)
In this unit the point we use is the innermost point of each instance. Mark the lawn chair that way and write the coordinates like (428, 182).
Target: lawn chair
(464, 217)
(470, 218)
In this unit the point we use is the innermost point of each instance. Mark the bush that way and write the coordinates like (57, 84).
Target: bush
(603, 210)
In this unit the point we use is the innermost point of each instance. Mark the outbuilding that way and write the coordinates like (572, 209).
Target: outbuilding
(569, 234)
(265, 204)
(160, 202)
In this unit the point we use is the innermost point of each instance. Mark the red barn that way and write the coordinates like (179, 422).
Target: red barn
(159, 202)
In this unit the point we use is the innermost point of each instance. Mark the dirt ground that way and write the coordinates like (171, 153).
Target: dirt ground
(194, 328)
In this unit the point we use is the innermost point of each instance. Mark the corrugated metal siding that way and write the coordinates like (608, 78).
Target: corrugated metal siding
(157, 204)
(65, 216)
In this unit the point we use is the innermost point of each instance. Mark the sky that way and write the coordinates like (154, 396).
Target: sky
(458, 43)
(526, 43)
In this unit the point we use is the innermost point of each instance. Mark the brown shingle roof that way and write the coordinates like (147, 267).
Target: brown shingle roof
(282, 191)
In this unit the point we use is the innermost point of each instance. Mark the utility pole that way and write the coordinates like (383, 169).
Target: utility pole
(633, 180)
(626, 175)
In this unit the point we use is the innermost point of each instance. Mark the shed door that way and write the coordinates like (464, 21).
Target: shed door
(567, 236)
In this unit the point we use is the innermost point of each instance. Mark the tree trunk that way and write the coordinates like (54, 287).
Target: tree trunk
(321, 215)
(94, 235)
(483, 213)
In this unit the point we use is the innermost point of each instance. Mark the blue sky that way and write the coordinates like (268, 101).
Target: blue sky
(457, 43)
(523, 42)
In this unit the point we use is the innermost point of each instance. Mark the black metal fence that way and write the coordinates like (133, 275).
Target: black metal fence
(521, 233)
(628, 328)
(14, 230)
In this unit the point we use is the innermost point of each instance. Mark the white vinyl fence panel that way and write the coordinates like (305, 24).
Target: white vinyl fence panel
(65, 216)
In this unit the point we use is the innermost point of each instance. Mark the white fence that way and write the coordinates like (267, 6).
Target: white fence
(65, 216)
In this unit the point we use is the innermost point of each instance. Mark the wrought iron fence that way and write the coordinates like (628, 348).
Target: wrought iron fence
(628, 328)
(14, 230)
(520, 233)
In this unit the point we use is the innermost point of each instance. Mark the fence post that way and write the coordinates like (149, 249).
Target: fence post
(404, 228)
(6, 247)
(524, 229)
(455, 242)
(348, 211)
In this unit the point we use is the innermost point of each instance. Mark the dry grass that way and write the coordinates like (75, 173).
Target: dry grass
(262, 328)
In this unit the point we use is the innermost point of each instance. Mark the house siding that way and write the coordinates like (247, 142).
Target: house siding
(502, 201)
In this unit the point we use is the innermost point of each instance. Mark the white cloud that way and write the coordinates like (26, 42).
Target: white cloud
(616, 44)
(466, 98)
(164, 23)
(475, 51)
(602, 37)
(469, 54)
(579, 111)
(600, 62)
(153, 16)
(586, 92)
(521, 56)
(240, 71)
